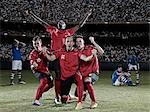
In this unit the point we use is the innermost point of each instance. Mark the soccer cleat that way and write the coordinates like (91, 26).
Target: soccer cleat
(21, 82)
(36, 103)
(66, 99)
(137, 82)
(57, 101)
(79, 106)
(12, 83)
(93, 105)
(73, 97)
(131, 84)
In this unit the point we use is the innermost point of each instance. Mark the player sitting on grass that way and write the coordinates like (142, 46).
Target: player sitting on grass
(120, 78)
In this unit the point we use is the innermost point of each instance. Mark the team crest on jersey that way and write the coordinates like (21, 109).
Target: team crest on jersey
(62, 56)
(38, 60)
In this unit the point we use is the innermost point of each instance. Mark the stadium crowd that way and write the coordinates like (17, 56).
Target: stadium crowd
(112, 53)
(101, 34)
(73, 10)
(121, 52)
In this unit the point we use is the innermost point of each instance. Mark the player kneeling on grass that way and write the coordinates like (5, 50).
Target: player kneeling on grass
(40, 70)
(69, 63)
(120, 78)
(89, 69)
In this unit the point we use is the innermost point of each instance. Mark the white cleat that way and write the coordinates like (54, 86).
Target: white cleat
(12, 83)
(22, 82)
(73, 97)
(93, 105)
(57, 101)
(79, 106)
(36, 103)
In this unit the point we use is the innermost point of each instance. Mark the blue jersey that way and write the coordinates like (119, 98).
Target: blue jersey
(133, 60)
(16, 53)
(115, 76)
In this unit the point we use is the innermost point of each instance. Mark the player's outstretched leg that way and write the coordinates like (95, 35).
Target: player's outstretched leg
(80, 88)
(92, 95)
(39, 92)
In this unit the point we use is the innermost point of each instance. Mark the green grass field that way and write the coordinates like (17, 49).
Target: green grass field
(19, 98)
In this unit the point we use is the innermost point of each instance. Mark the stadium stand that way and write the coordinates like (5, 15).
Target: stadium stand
(130, 16)
(73, 10)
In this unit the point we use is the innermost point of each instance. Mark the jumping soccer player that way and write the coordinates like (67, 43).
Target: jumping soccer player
(40, 70)
(58, 36)
(17, 62)
(90, 68)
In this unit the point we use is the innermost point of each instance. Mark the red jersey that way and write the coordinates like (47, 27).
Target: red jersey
(58, 36)
(91, 66)
(41, 60)
(69, 62)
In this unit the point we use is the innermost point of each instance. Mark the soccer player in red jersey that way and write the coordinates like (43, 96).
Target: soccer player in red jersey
(69, 63)
(90, 68)
(58, 36)
(40, 70)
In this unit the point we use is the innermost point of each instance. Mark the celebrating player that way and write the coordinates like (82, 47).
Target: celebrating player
(58, 36)
(69, 62)
(17, 62)
(89, 69)
(39, 68)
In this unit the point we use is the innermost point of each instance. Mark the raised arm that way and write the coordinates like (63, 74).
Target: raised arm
(36, 18)
(83, 21)
(99, 49)
(20, 43)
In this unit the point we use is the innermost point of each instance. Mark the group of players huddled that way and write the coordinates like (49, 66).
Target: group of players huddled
(72, 61)
(71, 64)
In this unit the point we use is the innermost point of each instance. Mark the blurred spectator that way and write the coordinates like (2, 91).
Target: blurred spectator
(73, 10)
(117, 53)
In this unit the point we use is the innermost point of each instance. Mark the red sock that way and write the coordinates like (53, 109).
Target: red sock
(40, 89)
(79, 86)
(91, 92)
(57, 88)
(46, 88)
(48, 85)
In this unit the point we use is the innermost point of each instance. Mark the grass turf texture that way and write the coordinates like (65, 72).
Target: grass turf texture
(19, 98)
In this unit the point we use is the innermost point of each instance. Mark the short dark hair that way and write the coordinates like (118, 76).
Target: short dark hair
(79, 36)
(119, 65)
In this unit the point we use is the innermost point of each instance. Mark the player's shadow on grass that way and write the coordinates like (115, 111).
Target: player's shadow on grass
(51, 99)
